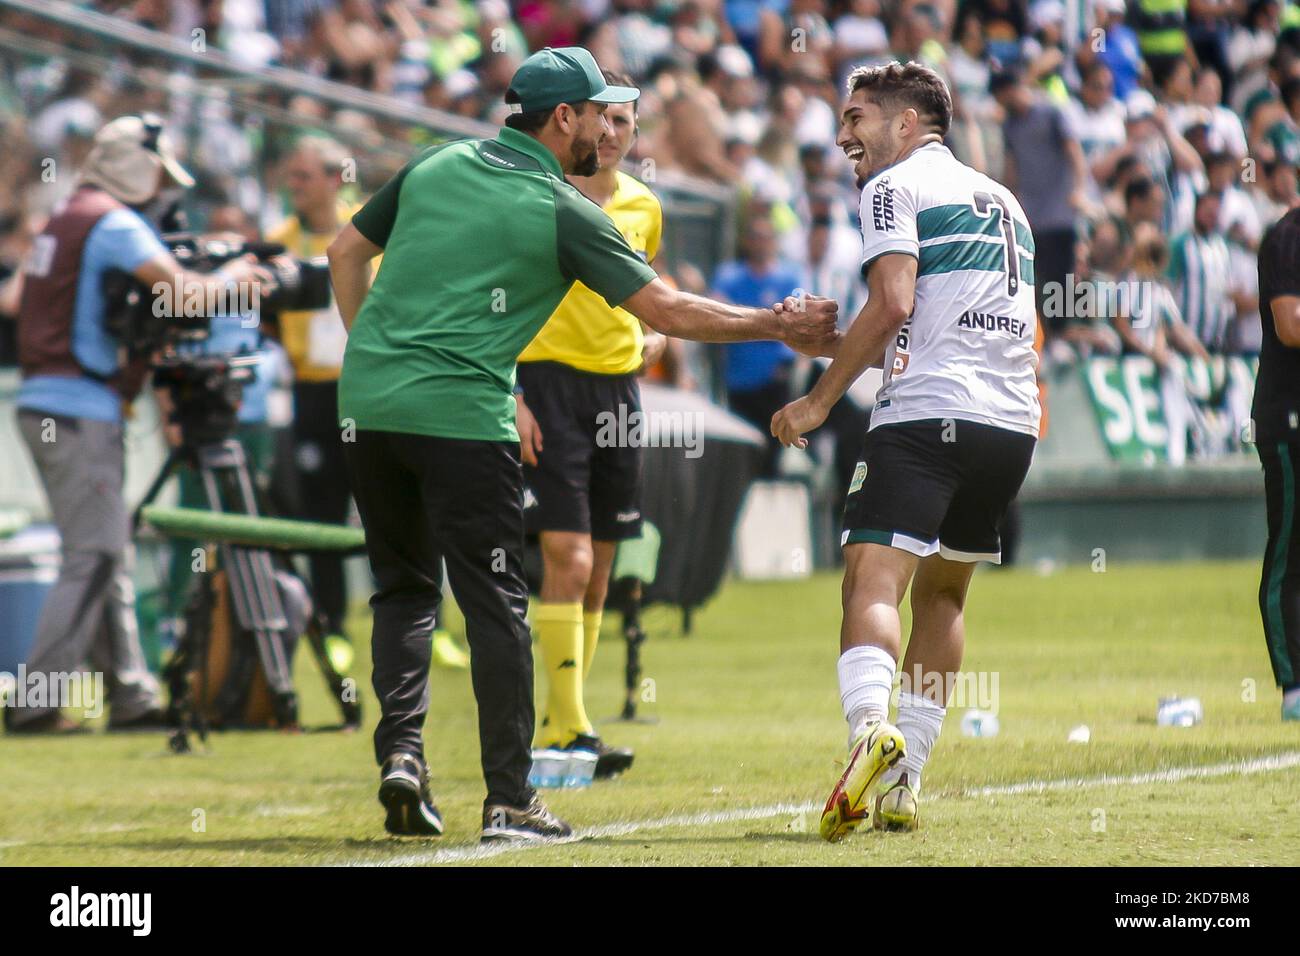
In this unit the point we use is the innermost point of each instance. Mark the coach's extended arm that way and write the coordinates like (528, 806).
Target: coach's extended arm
(810, 329)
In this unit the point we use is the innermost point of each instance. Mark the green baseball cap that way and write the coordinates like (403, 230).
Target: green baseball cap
(566, 74)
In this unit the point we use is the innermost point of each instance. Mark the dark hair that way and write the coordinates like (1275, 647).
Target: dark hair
(894, 87)
(534, 121)
(1003, 79)
(1290, 92)
(1095, 67)
(1138, 188)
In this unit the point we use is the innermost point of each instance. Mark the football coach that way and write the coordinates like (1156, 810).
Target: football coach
(482, 240)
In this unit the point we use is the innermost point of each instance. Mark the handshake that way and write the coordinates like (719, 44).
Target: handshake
(807, 323)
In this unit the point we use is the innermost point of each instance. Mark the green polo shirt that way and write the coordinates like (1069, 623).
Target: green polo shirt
(482, 240)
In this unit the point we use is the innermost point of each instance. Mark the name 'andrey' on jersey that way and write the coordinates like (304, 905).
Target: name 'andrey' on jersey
(988, 322)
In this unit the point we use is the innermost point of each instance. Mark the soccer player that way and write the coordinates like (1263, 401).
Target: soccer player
(1276, 417)
(482, 240)
(584, 497)
(948, 258)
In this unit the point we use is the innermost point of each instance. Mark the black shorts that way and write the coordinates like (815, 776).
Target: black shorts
(588, 476)
(936, 486)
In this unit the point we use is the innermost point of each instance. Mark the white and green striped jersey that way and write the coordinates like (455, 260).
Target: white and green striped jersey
(1151, 307)
(967, 351)
(1200, 268)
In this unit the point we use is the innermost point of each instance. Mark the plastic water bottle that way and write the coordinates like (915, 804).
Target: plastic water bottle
(550, 767)
(581, 770)
(1179, 712)
(979, 723)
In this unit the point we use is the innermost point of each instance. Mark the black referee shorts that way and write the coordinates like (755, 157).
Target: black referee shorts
(588, 476)
(936, 486)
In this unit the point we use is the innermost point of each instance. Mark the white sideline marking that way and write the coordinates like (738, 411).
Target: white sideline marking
(1255, 765)
(1282, 761)
(709, 818)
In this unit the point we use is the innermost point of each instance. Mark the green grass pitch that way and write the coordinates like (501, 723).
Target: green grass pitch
(747, 739)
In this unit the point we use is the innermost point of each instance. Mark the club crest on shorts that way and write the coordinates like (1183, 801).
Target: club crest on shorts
(859, 476)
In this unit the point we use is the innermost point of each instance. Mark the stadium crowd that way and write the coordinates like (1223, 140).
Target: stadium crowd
(1150, 141)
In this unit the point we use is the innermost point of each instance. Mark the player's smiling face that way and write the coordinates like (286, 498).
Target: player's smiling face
(866, 136)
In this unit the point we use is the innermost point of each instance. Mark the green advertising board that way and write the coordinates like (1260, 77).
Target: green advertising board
(1129, 396)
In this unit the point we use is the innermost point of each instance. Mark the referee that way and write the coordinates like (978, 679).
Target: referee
(1276, 417)
(482, 239)
(585, 494)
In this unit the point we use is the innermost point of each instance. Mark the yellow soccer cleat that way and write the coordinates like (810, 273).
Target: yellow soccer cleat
(877, 749)
(447, 653)
(897, 807)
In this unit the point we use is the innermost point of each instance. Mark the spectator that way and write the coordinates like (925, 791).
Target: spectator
(1225, 124)
(1237, 217)
(1149, 323)
(1097, 118)
(1045, 167)
(1144, 203)
(1088, 313)
(1279, 191)
(1199, 270)
(1167, 156)
(758, 373)
(859, 36)
(1162, 34)
(1005, 26)
(1251, 46)
(1119, 48)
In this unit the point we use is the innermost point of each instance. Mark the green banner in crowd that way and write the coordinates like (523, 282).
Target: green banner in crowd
(1130, 396)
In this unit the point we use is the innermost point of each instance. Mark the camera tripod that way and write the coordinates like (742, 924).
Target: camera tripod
(206, 392)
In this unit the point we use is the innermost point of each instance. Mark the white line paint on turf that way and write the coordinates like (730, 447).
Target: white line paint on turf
(482, 852)
(1269, 764)
(1255, 765)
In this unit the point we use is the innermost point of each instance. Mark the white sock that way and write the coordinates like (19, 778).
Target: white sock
(920, 720)
(866, 679)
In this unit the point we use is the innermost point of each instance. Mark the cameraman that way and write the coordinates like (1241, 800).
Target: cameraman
(71, 402)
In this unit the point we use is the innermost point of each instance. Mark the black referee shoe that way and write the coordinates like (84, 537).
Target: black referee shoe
(531, 824)
(404, 792)
(610, 761)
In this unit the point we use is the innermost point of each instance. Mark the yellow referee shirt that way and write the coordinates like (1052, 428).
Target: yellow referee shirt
(584, 332)
(313, 340)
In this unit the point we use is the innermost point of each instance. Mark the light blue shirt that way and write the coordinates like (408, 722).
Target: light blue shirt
(752, 365)
(124, 240)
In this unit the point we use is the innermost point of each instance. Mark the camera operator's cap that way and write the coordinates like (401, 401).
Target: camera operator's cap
(126, 157)
(563, 75)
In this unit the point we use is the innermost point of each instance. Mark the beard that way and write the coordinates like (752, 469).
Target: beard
(879, 151)
(585, 156)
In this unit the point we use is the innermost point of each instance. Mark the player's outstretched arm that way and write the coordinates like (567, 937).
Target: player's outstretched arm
(891, 282)
(349, 257)
(685, 316)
